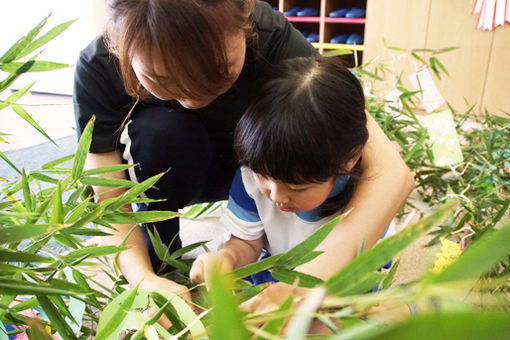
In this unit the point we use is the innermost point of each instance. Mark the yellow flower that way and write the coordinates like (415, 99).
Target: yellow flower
(450, 251)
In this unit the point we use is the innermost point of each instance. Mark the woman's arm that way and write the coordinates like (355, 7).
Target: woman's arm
(134, 263)
(385, 184)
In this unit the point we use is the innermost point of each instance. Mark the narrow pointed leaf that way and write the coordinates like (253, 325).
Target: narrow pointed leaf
(275, 326)
(32, 66)
(93, 251)
(9, 162)
(42, 288)
(291, 276)
(381, 253)
(57, 161)
(56, 319)
(27, 195)
(293, 256)
(15, 96)
(107, 182)
(136, 189)
(256, 267)
(21, 44)
(82, 150)
(139, 217)
(57, 213)
(24, 114)
(114, 314)
(20, 233)
(107, 169)
(7, 255)
(50, 35)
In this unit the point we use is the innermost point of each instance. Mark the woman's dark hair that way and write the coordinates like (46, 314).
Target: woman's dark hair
(186, 36)
(306, 123)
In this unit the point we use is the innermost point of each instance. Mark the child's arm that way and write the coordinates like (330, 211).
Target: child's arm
(234, 254)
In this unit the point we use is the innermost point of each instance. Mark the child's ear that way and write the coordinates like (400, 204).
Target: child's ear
(347, 167)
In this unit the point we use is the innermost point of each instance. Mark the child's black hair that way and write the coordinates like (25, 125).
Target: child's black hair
(307, 121)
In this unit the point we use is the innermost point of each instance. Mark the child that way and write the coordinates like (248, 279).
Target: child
(299, 147)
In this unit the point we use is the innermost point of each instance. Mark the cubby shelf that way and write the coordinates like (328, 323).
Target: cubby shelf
(327, 27)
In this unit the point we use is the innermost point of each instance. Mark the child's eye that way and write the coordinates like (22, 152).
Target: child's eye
(298, 189)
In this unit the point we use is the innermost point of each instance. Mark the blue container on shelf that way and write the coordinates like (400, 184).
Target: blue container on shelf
(308, 12)
(339, 39)
(339, 13)
(292, 12)
(312, 37)
(354, 38)
(355, 13)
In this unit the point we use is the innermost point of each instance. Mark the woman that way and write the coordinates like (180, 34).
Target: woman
(168, 92)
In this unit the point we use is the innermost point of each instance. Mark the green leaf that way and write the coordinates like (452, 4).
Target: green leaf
(369, 74)
(372, 259)
(7, 255)
(299, 324)
(27, 195)
(114, 314)
(32, 66)
(388, 280)
(107, 169)
(56, 319)
(20, 233)
(136, 189)
(15, 96)
(57, 213)
(43, 178)
(226, 320)
(477, 258)
(256, 267)
(57, 161)
(291, 277)
(168, 309)
(107, 182)
(82, 150)
(473, 325)
(53, 287)
(24, 114)
(290, 258)
(21, 44)
(333, 53)
(93, 251)
(9, 162)
(50, 35)
(416, 148)
(139, 217)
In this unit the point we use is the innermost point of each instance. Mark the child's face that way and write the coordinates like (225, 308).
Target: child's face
(294, 197)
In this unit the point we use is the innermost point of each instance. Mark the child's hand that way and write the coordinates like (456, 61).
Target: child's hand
(205, 263)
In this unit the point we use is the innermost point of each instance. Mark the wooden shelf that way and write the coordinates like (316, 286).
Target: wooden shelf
(304, 19)
(330, 20)
(329, 46)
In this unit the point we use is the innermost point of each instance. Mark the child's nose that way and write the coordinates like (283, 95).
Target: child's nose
(279, 194)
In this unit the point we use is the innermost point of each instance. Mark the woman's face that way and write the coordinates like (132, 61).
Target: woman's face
(236, 50)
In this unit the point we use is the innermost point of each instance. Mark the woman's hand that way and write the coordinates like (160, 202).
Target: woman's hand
(205, 263)
(272, 297)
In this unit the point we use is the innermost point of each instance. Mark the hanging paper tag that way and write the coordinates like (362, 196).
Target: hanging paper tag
(445, 141)
(430, 96)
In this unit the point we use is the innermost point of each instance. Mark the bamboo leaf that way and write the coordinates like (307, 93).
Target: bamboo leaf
(107, 182)
(29, 231)
(107, 169)
(15, 96)
(168, 309)
(24, 114)
(136, 189)
(32, 66)
(291, 277)
(27, 195)
(50, 35)
(56, 319)
(256, 267)
(9, 162)
(43, 178)
(57, 213)
(139, 217)
(114, 314)
(293, 256)
(388, 280)
(275, 326)
(21, 44)
(82, 150)
(226, 320)
(57, 161)
(53, 287)
(93, 251)
(7, 255)
(381, 253)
